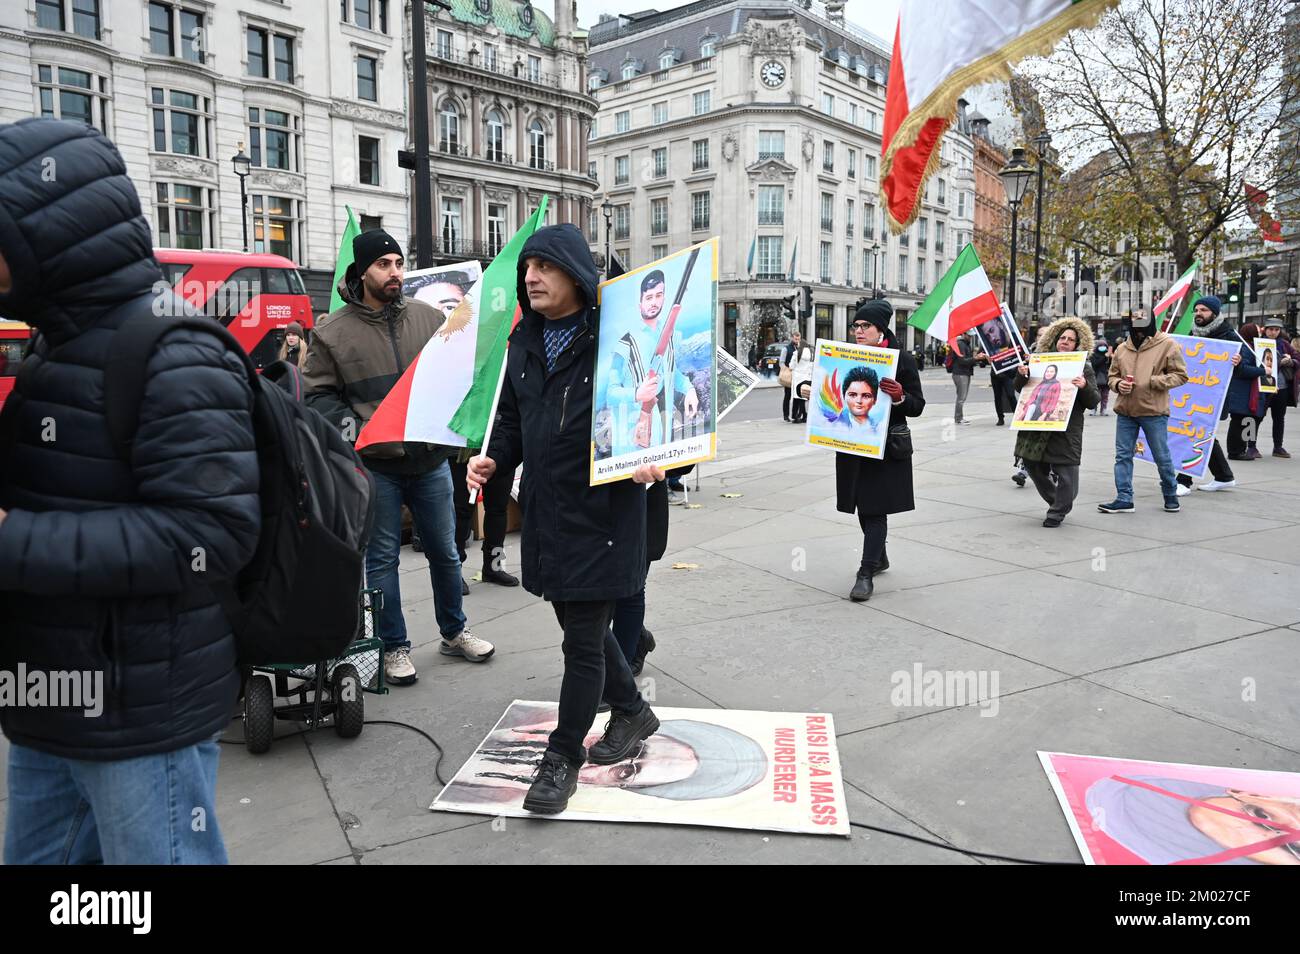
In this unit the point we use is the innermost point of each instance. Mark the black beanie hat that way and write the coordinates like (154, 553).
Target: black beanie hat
(878, 312)
(371, 245)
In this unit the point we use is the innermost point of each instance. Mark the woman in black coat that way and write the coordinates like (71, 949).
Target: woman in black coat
(877, 488)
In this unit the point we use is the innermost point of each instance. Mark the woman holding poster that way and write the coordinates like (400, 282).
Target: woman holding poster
(877, 488)
(1052, 457)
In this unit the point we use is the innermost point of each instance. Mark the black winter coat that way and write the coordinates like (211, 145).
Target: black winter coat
(104, 561)
(1060, 447)
(579, 542)
(875, 487)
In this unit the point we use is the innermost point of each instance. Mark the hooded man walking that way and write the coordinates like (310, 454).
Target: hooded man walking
(356, 356)
(1143, 370)
(583, 547)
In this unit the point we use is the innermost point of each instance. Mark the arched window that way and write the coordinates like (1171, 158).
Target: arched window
(536, 145)
(449, 128)
(629, 69)
(667, 59)
(496, 136)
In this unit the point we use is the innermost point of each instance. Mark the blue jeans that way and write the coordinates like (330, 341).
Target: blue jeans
(1154, 429)
(150, 810)
(429, 496)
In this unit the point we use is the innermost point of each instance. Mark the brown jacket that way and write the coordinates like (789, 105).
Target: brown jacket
(1157, 368)
(356, 356)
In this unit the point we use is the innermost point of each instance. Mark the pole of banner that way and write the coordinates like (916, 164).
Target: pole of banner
(492, 419)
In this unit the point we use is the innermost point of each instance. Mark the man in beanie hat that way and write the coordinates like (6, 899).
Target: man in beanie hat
(356, 356)
(877, 488)
(1209, 322)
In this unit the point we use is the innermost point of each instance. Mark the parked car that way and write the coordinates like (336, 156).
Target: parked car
(254, 295)
(770, 363)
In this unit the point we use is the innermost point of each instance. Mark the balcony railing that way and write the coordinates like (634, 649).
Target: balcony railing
(699, 66)
(452, 147)
(852, 173)
(621, 233)
(828, 167)
(921, 243)
(519, 71)
(828, 225)
(768, 217)
(848, 230)
(771, 276)
(699, 225)
(456, 247)
(700, 166)
(938, 248)
(771, 154)
(500, 158)
(535, 163)
(658, 228)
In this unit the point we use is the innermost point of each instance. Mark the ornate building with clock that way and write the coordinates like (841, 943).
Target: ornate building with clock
(759, 121)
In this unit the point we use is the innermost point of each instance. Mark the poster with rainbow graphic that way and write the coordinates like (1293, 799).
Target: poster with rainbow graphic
(1194, 408)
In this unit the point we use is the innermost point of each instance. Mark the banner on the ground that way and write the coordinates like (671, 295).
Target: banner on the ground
(769, 771)
(656, 366)
(999, 341)
(1048, 396)
(1129, 812)
(847, 411)
(1266, 358)
(1194, 407)
(734, 382)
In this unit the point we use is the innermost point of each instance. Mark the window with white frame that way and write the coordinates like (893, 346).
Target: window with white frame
(490, 57)
(368, 160)
(700, 209)
(961, 204)
(868, 267)
(496, 227)
(273, 138)
(74, 95)
(828, 156)
(938, 238)
(659, 113)
(902, 273)
(368, 78)
(271, 55)
(868, 220)
(659, 157)
(176, 31)
(622, 121)
(707, 46)
(451, 224)
(629, 69)
(496, 136)
(771, 205)
(449, 127)
(446, 44)
(591, 168)
(770, 253)
(923, 234)
(81, 17)
(828, 212)
(848, 265)
(185, 216)
(851, 164)
(869, 167)
(622, 222)
(657, 252)
(534, 69)
(182, 122)
(848, 219)
(825, 262)
(943, 192)
(622, 170)
(699, 155)
(658, 216)
(537, 145)
(828, 104)
(853, 113)
(920, 276)
(666, 59)
(771, 144)
(701, 102)
(276, 225)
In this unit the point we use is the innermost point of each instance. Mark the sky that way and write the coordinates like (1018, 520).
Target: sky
(878, 16)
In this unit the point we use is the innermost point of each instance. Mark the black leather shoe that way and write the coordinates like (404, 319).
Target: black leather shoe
(862, 589)
(1052, 521)
(553, 785)
(882, 566)
(643, 648)
(464, 587)
(499, 577)
(622, 735)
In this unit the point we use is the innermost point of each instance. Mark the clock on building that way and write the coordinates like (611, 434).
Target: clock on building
(772, 73)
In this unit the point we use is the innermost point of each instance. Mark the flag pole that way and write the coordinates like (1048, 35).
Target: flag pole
(492, 417)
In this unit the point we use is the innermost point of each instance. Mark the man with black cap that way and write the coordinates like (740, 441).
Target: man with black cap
(356, 356)
(877, 488)
(1143, 370)
(584, 547)
(1209, 323)
(632, 383)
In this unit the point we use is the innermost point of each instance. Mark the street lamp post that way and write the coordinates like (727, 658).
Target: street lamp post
(242, 165)
(1041, 142)
(875, 269)
(607, 209)
(1015, 176)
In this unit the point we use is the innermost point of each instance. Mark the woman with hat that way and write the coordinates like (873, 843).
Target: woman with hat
(293, 348)
(1288, 387)
(877, 488)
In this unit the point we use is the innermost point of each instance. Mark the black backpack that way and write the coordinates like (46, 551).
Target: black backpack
(297, 600)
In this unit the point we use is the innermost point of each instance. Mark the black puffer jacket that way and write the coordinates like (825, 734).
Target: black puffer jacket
(579, 542)
(104, 563)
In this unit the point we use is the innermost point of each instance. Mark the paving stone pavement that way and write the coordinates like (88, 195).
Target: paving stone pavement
(1131, 636)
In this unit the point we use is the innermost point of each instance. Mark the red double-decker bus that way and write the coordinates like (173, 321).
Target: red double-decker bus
(254, 295)
(13, 339)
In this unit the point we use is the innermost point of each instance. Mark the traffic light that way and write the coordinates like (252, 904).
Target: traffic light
(1234, 291)
(806, 309)
(790, 306)
(1258, 282)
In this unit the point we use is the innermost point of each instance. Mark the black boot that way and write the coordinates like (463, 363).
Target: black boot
(499, 577)
(553, 785)
(644, 647)
(622, 735)
(862, 588)
(883, 565)
(464, 587)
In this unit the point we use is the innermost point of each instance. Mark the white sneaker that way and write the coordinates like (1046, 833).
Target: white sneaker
(1210, 486)
(468, 646)
(398, 669)
(1183, 490)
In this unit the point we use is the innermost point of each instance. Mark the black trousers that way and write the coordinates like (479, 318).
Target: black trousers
(1278, 412)
(594, 667)
(496, 500)
(1004, 395)
(875, 528)
(1241, 429)
(785, 405)
(1220, 469)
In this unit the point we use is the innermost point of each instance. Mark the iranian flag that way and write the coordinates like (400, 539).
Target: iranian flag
(941, 48)
(449, 393)
(962, 299)
(1176, 292)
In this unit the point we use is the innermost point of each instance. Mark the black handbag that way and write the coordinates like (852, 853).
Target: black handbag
(898, 445)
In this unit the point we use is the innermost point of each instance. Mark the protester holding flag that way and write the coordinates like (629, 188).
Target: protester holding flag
(877, 488)
(1290, 383)
(584, 547)
(1208, 322)
(1052, 458)
(355, 358)
(1144, 369)
(1247, 404)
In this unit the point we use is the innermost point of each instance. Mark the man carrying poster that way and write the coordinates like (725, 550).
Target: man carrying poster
(1209, 324)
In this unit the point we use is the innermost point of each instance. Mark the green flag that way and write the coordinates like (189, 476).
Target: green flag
(350, 231)
(1185, 323)
(498, 309)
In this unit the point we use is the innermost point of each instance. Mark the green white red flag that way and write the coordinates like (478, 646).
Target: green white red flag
(1176, 291)
(962, 299)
